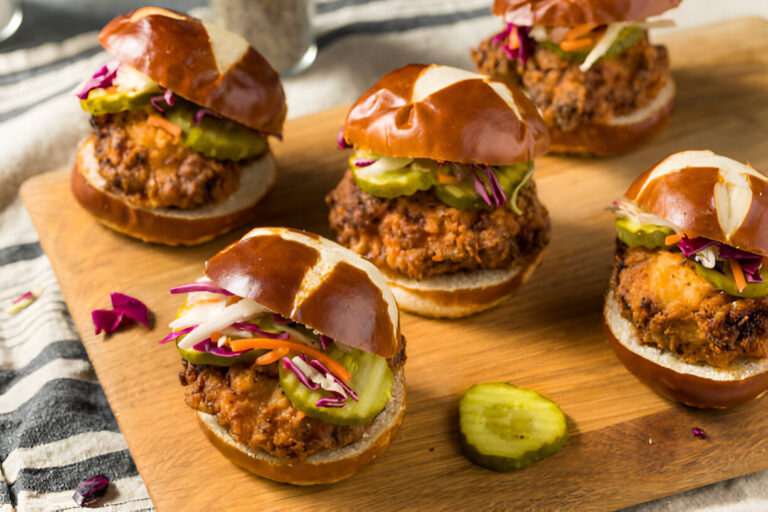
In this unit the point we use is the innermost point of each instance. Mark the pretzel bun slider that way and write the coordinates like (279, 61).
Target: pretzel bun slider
(687, 308)
(602, 87)
(178, 152)
(438, 193)
(292, 356)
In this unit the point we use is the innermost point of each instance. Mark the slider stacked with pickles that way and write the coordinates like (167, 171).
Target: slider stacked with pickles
(178, 152)
(439, 192)
(687, 309)
(293, 356)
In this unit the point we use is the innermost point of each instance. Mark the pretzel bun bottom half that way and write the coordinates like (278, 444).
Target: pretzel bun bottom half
(319, 468)
(169, 226)
(697, 385)
(461, 294)
(622, 134)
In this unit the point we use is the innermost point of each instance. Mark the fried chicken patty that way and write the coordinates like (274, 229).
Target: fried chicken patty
(567, 96)
(675, 309)
(151, 168)
(420, 236)
(247, 399)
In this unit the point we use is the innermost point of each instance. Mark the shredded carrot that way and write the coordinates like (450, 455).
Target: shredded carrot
(446, 179)
(164, 124)
(514, 41)
(576, 44)
(738, 274)
(673, 239)
(579, 30)
(337, 369)
(273, 355)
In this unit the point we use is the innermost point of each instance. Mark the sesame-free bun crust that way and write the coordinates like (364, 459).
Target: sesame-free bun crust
(569, 13)
(460, 294)
(622, 134)
(446, 114)
(315, 282)
(201, 62)
(697, 385)
(319, 468)
(169, 226)
(707, 195)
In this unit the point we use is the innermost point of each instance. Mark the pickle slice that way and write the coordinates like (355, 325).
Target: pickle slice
(726, 282)
(504, 427)
(463, 196)
(217, 138)
(635, 235)
(371, 379)
(395, 182)
(131, 89)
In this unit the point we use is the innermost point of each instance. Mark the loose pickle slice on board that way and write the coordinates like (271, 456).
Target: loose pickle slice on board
(371, 379)
(504, 427)
(635, 235)
(726, 282)
(221, 139)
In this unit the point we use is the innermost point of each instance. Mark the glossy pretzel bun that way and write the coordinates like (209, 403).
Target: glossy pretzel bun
(169, 226)
(201, 62)
(319, 468)
(313, 281)
(461, 294)
(569, 13)
(622, 133)
(707, 195)
(664, 372)
(446, 114)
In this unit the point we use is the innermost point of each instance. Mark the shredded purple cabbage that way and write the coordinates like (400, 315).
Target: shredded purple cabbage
(208, 346)
(341, 142)
(325, 341)
(496, 197)
(289, 365)
(200, 287)
(167, 97)
(750, 263)
(337, 401)
(524, 48)
(317, 365)
(175, 334)
(280, 320)
(364, 163)
(200, 114)
(698, 432)
(131, 307)
(102, 79)
(107, 320)
(255, 328)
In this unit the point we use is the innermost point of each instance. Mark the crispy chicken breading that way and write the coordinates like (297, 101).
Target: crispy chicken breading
(675, 309)
(420, 236)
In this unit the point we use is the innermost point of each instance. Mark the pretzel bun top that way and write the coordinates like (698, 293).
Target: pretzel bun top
(204, 63)
(313, 281)
(446, 114)
(569, 13)
(708, 195)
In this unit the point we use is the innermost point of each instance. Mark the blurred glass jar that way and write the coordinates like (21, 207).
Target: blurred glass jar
(281, 30)
(10, 18)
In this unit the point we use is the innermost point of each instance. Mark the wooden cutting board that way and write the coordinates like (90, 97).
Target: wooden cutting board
(627, 445)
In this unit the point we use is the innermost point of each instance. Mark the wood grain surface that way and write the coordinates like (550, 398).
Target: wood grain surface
(627, 445)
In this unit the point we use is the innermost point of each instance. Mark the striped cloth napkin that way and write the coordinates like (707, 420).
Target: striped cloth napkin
(56, 427)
